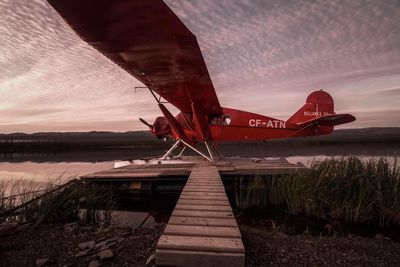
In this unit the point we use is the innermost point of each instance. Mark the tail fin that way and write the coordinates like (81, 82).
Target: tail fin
(318, 104)
(317, 116)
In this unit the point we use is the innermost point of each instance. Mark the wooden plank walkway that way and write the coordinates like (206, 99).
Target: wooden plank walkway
(202, 230)
(181, 169)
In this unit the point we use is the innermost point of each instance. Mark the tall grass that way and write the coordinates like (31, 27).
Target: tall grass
(61, 206)
(15, 192)
(345, 189)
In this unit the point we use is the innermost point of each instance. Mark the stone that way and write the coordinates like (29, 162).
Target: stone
(94, 264)
(113, 239)
(382, 237)
(82, 253)
(101, 244)
(70, 227)
(126, 233)
(88, 244)
(42, 262)
(111, 244)
(151, 259)
(105, 254)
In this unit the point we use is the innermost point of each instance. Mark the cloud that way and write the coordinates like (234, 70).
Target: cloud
(390, 92)
(263, 56)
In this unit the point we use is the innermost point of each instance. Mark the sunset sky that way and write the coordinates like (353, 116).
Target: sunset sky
(263, 56)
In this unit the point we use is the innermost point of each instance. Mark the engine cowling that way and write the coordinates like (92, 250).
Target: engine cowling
(160, 128)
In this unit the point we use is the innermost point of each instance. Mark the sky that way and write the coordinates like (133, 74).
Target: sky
(263, 56)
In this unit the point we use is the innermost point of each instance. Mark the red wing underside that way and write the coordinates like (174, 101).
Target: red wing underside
(149, 41)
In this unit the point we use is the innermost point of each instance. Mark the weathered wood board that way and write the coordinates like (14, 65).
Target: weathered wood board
(180, 171)
(202, 230)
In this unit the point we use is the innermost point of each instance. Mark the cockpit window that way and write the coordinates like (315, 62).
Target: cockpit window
(223, 120)
(226, 120)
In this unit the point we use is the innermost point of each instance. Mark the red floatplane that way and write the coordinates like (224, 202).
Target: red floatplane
(146, 38)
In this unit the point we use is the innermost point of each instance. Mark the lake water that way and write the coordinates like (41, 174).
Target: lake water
(45, 171)
(41, 167)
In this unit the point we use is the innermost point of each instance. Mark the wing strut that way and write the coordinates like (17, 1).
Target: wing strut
(210, 157)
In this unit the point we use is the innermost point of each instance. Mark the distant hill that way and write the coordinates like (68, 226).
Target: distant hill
(105, 146)
(374, 135)
(80, 136)
(363, 135)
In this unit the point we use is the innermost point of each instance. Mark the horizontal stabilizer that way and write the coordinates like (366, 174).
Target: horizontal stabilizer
(329, 120)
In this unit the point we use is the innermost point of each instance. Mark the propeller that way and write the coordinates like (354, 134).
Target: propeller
(146, 123)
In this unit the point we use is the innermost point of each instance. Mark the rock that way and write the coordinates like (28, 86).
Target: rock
(82, 253)
(42, 262)
(379, 236)
(105, 254)
(111, 244)
(70, 227)
(94, 264)
(126, 233)
(114, 239)
(101, 244)
(150, 260)
(88, 244)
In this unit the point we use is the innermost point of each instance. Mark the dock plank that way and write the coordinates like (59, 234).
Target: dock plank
(202, 221)
(202, 213)
(147, 171)
(200, 197)
(205, 190)
(200, 243)
(195, 230)
(198, 258)
(211, 194)
(203, 202)
(202, 229)
(203, 207)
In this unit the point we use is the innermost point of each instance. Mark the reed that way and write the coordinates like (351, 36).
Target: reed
(59, 206)
(344, 189)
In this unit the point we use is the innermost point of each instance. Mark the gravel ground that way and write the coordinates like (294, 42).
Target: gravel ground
(59, 245)
(268, 248)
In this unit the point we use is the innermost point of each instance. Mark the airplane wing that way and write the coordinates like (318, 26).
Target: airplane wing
(145, 38)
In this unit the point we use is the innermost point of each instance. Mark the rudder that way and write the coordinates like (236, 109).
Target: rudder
(318, 104)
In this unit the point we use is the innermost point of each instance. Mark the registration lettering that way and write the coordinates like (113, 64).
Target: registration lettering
(267, 123)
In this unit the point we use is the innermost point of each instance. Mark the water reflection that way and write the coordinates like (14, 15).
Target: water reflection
(43, 172)
(44, 166)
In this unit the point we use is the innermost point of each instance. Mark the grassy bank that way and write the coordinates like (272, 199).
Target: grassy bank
(345, 190)
(52, 202)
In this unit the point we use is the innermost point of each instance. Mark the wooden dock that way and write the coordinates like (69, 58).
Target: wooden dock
(152, 176)
(179, 170)
(202, 230)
